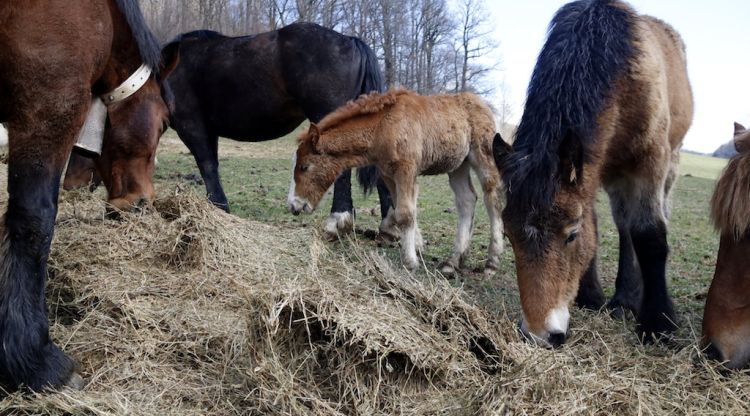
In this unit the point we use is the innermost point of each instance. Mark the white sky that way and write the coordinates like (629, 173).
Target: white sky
(717, 35)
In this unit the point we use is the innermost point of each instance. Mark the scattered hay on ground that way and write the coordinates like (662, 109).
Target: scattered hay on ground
(188, 310)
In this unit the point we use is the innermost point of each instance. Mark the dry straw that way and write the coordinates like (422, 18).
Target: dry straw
(187, 310)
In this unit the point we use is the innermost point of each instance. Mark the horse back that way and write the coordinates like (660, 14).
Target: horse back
(262, 86)
(436, 132)
(653, 105)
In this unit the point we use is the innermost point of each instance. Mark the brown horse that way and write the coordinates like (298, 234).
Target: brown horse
(81, 172)
(608, 105)
(56, 55)
(726, 320)
(406, 135)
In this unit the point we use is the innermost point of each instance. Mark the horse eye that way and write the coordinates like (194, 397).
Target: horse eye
(303, 168)
(572, 237)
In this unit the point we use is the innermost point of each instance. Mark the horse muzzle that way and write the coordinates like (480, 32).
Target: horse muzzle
(298, 205)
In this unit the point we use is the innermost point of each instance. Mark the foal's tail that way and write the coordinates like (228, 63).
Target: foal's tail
(372, 81)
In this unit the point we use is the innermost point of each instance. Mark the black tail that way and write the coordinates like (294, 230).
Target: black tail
(372, 81)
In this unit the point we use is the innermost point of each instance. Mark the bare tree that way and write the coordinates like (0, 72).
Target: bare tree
(474, 42)
(425, 45)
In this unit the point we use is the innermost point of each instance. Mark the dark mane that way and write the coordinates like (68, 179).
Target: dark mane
(589, 44)
(147, 44)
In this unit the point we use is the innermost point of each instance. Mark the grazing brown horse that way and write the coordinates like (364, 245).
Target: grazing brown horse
(406, 135)
(56, 55)
(81, 172)
(608, 105)
(726, 320)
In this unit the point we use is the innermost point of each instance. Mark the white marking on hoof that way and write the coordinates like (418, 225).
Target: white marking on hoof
(337, 224)
(447, 269)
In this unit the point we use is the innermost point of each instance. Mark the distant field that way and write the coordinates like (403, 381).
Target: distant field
(256, 179)
(706, 167)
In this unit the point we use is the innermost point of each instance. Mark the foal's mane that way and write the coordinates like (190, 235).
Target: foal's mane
(730, 204)
(144, 38)
(589, 44)
(366, 104)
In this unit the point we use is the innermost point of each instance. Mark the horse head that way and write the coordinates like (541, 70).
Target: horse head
(135, 124)
(553, 242)
(315, 169)
(726, 319)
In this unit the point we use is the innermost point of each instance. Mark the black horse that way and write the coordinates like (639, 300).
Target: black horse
(261, 87)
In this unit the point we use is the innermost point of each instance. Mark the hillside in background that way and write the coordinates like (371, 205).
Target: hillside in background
(726, 150)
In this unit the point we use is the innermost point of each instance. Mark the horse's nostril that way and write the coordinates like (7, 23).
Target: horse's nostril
(713, 353)
(141, 203)
(556, 339)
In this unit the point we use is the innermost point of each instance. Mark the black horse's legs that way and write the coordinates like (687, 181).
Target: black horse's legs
(388, 229)
(341, 220)
(590, 294)
(204, 148)
(28, 356)
(629, 284)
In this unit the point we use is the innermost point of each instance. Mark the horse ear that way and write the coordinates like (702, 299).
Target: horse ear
(314, 134)
(739, 128)
(500, 150)
(741, 138)
(571, 159)
(170, 57)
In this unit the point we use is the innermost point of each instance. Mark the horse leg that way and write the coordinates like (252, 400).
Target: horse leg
(643, 213)
(341, 220)
(465, 199)
(387, 228)
(492, 204)
(406, 218)
(389, 231)
(205, 150)
(629, 283)
(590, 294)
(37, 158)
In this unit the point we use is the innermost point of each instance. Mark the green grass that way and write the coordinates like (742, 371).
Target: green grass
(256, 179)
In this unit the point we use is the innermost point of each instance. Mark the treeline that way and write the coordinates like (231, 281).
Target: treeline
(429, 46)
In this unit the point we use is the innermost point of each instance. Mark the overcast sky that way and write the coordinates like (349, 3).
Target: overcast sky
(717, 35)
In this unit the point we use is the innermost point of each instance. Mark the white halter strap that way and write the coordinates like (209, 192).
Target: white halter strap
(129, 87)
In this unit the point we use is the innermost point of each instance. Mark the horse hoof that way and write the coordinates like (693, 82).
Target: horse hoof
(657, 328)
(490, 271)
(386, 237)
(76, 382)
(618, 310)
(338, 224)
(447, 270)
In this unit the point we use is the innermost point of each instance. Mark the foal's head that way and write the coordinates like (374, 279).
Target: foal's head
(314, 171)
(552, 233)
(726, 320)
(134, 126)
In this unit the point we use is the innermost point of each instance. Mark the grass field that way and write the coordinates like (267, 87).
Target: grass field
(256, 178)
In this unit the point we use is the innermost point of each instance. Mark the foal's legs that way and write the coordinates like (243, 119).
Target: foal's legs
(466, 199)
(405, 215)
(490, 181)
(640, 211)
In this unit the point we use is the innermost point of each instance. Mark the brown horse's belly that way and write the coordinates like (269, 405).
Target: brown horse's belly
(444, 163)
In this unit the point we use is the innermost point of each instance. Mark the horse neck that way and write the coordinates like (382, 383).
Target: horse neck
(351, 145)
(125, 57)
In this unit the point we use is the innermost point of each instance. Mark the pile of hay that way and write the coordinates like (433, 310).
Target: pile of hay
(187, 310)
